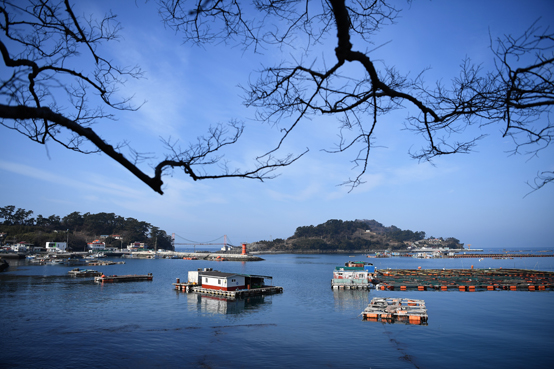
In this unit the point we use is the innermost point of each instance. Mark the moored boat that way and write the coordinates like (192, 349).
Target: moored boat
(123, 278)
(84, 272)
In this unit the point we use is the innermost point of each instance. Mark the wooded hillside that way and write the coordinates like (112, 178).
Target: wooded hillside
(79, 229)
(352, 235)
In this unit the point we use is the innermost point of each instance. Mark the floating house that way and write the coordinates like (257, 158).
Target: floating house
(209, 281)
(216, 280)
(354, 275)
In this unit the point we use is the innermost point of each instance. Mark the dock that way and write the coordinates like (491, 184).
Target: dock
(387, 309)
(123, 278)
(464, 279)
(191, 287)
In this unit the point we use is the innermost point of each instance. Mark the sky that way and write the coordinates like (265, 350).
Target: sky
(479, 198)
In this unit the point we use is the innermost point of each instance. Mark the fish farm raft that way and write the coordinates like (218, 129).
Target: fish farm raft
(396, 310)
(464, 279)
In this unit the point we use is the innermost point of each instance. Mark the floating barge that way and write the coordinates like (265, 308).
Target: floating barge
(353, 275)
(84, 273)
(268, 290)
(123, 278)
(391, 310)
(230, 285)
(464, 279)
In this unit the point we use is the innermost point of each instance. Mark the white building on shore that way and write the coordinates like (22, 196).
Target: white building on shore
(56, 246)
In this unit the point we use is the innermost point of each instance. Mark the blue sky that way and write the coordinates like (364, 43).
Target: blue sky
(477, 198)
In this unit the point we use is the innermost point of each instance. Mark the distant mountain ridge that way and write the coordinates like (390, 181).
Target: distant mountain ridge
(358, 235)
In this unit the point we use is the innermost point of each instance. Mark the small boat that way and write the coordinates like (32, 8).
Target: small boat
(83, 272)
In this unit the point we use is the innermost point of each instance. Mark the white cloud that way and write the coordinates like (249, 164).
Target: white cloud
(93, 183)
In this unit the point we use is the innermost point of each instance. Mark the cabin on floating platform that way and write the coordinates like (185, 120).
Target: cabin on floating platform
(350, 273)
(216, 280)
(231, 285)
(353, 277)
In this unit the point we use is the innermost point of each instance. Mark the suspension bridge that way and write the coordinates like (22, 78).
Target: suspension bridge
(227, 244)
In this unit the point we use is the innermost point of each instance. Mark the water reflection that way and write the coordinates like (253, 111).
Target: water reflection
(349, 299)
(223, 305)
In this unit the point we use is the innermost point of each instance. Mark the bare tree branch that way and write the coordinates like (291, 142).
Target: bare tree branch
(517, 95)
(48, 36)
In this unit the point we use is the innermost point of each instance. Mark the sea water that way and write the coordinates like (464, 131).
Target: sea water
(51, 320)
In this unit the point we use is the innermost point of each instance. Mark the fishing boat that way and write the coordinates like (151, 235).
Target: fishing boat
(83, 272)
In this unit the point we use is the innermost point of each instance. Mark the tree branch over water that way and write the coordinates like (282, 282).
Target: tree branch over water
(46, 100)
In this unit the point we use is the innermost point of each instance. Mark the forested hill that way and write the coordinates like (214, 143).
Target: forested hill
(17, 225)
(354, 235)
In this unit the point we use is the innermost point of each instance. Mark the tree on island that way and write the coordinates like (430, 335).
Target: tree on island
(358, 235)
(48, 99)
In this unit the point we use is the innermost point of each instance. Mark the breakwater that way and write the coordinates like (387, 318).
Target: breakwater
(216, 256)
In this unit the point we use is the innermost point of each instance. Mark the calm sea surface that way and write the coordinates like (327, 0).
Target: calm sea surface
(50, 320)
